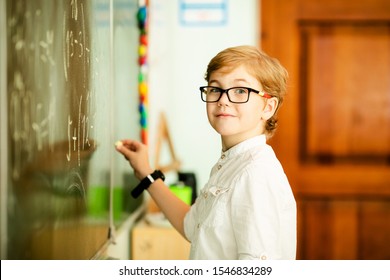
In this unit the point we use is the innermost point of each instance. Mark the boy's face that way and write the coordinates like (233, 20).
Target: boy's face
(236, 122)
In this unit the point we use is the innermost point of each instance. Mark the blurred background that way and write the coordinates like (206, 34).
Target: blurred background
(70, 76)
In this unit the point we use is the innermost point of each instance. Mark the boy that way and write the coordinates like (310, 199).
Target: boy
(247, 209)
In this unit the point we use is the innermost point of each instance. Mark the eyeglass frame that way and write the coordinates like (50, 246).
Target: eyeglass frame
(262, 93)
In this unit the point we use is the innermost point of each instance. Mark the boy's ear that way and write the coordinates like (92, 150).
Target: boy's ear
(270, 108)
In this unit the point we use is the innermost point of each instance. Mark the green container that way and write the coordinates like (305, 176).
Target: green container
(98, 200)
(118, 202)
(183, 192)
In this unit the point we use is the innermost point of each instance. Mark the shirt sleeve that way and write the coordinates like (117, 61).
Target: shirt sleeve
(256, 206)
(189, 221)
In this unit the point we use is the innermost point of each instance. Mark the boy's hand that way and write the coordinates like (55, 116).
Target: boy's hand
(137, 155)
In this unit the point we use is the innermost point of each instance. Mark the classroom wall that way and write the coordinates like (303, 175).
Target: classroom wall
(180, 49)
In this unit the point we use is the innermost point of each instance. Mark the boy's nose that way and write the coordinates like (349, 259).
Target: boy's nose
(224, 99)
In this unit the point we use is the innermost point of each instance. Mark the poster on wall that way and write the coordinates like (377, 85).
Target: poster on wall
(206, 13)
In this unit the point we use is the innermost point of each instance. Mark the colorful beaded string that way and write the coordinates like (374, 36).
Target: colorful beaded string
(142, 18)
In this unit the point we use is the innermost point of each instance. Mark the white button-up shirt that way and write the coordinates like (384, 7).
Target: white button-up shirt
(246, 210)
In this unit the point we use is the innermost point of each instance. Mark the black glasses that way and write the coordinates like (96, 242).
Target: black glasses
(211, 94)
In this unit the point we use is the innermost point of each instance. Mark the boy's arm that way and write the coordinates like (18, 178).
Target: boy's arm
(173, 208)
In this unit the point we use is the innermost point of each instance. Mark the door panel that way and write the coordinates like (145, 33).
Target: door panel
(334, 133)
(345, 86)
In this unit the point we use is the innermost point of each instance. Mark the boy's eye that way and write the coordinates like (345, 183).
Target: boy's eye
(214, 90)
(240, 91)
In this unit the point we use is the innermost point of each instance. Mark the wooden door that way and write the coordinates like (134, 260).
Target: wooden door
(334, 134)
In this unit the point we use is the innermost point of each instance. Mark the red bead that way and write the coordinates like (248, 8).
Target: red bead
(142, 60)
(143, 39)
(144, 136)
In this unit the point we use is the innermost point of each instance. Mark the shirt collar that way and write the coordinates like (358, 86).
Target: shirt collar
(245, 145)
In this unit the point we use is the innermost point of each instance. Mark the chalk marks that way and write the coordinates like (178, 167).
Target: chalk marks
(19, 119)
(58, 107)
(46, 45)
(75, 44)
(29, 125)
(74, 185)
(78, 133)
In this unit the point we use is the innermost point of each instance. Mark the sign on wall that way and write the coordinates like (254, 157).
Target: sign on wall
(203, 12)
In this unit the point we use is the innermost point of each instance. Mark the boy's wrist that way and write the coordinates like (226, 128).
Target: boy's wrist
(143, 174)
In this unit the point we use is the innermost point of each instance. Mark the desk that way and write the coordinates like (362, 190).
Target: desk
(150, 242)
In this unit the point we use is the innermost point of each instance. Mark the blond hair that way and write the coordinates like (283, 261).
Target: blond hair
(267, 70)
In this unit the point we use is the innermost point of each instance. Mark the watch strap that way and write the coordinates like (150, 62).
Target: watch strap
(137, 191)
(146, 182)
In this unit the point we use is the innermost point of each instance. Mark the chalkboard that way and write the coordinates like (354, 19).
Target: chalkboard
(62, 112)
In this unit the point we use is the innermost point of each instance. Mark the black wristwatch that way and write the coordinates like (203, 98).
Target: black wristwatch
(146, 182)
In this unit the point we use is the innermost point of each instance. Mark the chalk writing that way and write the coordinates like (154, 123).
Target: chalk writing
(78, 134)
(25, 127)
(19, 119)
(58, 97)
(75, 185)
(47, 46)
(75, 43)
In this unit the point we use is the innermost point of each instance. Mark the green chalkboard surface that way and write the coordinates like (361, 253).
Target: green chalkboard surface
(61, 114)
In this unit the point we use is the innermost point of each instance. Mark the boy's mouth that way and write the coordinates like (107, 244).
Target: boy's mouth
(224, 115)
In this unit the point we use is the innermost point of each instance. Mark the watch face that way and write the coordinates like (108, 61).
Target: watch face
(158, 174)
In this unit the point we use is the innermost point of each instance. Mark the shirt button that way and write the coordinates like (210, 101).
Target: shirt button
(223, 156)
(217, 192)
(198, 226)
(205, 195)
(263, 257)
(219, 167)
